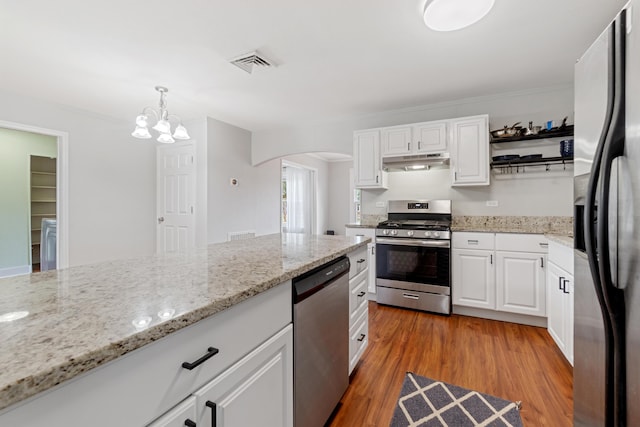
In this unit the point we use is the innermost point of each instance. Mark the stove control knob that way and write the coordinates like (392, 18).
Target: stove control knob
(436, 234)
(394, 232)
(385, 232)
(410, 233)
(427, 234)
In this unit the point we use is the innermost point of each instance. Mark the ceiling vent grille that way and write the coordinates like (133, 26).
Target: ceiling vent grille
(247, 61)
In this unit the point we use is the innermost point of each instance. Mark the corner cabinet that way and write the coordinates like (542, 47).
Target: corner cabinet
(367, 160)
(470, 150)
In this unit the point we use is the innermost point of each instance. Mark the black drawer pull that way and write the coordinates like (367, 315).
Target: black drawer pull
(361, 338)
(361, 294)
(564, 286)
(211, 351)
(189, 423)
(214, 421)
(361, 260)
(560, 279)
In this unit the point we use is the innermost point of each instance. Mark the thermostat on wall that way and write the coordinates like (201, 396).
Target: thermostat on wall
(233, 182)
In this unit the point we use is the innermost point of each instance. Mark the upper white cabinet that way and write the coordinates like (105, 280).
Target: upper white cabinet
(470, 150)
(419, 138)
(367, 160)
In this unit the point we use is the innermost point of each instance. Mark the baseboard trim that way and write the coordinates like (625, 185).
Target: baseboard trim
(502, 316)
(15, 271)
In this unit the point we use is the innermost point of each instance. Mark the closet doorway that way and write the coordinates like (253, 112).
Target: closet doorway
(298, 213)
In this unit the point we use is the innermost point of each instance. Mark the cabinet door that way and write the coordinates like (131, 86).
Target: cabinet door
(396, 141)
(569, 318)
(178, 416)
(430, 137)
(367, 161)
(473, 278)
(372, 267)
(470, 150)
(520, 282)
(256, 391)
(556, 324)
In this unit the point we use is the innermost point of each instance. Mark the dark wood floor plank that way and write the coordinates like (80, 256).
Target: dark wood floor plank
(507, 360)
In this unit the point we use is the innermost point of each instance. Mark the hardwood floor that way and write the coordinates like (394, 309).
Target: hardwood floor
(510, 361)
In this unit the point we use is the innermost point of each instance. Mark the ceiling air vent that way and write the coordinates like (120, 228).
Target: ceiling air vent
(251, 59)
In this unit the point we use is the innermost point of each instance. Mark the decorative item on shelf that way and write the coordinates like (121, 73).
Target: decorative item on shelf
(566, 148)
(533, 130)
(162, 122)
(507, 131)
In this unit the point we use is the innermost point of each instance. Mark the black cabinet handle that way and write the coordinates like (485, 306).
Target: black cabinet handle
(189, 423)
(376, 179)
(361, 260)
(491, 259)
(560, 279)
(541, 262)
(418, 145)
(361, 338)
(212, 405)
(361, 294)
(564, 287)
(211, 351)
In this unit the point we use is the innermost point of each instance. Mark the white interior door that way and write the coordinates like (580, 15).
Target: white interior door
(176, 189)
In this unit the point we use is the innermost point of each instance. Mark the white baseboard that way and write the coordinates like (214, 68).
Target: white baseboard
(15, 271)
(523, 319)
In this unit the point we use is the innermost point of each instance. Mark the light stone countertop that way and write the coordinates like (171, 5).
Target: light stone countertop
(81, 317)
(563, 240)
(558, 225)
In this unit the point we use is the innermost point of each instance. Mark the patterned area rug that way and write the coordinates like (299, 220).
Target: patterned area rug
(427, 403)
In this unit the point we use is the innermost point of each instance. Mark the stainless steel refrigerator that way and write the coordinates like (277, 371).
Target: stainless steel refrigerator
(607, 227)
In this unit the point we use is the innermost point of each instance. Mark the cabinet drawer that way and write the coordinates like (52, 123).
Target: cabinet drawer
(143, 384)
(359, 260)
(561, 255)
(521, 242)
(178, 416)
(464, 240)
(364, 232)
(358, 298)
(358, 339)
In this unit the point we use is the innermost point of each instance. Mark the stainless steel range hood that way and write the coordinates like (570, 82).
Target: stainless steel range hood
(417, 162)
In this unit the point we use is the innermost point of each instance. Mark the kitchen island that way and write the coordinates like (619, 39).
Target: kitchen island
(77, 319)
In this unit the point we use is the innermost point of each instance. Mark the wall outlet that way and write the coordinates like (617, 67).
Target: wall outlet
(380, 204)
(492, 203)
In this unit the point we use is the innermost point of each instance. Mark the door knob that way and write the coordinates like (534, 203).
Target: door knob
(160, 220)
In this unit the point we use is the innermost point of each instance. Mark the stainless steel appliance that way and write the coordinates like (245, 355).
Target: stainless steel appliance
(607, 227)
(413, 251)
(48, 238)
(320, 342)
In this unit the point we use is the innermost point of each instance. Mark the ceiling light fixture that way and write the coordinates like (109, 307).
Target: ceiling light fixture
(162, 122)
(451, 15)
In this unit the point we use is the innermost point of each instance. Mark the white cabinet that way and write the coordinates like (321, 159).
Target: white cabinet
(256, 391)
(560, 298)
(502, 272)
(358, 305)
(371, 249)
(419, 138)
(182, 415)
(470, 150)
(367, 160)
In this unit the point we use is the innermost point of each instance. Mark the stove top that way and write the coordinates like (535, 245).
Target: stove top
(417, 219)
(413, 224)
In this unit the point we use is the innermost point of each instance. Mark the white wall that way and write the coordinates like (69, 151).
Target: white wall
(112, 179)
(339, 195)
(537, 194)
(16, 149)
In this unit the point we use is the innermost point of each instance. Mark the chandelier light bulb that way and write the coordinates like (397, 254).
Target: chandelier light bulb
(451, 15)
(181, 133)
(166, 138)
(141, 132)
(163, 126)
(142, 121)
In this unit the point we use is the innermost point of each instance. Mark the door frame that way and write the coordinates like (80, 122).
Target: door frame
(194, 184)
(62, 186)
(314, 197)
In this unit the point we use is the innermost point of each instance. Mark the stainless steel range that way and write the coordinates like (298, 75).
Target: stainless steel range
(413, 251)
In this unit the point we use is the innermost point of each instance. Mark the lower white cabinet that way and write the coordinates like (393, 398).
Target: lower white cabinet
(182, 415)
(560, 298)
(256, 391)
(371, 247)
(500, 271)
(358, 305)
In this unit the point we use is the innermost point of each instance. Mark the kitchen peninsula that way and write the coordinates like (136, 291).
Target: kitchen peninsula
(95, 316)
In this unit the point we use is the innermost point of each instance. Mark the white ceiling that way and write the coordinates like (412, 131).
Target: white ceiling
(337, 58)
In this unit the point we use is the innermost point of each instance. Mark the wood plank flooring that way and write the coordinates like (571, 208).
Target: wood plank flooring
(510, 361)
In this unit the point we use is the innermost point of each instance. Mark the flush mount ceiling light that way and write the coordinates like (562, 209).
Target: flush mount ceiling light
(162, 125)
(450, 15)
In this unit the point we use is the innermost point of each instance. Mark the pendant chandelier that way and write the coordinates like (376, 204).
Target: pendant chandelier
(162, 126)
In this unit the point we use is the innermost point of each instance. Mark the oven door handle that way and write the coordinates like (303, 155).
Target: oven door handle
(413, 242)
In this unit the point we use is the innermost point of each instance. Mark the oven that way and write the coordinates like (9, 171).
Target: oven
(413, 259)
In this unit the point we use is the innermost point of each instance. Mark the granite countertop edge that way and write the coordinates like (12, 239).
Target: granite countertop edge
(29, 386)
(561, 239)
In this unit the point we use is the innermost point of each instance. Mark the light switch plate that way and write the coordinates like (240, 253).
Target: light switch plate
(492, 203)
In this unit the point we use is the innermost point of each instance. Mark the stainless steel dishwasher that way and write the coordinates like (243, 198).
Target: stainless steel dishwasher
(320, 341)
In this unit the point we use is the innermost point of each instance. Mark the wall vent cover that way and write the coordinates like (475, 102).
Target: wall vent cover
(247, 61)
